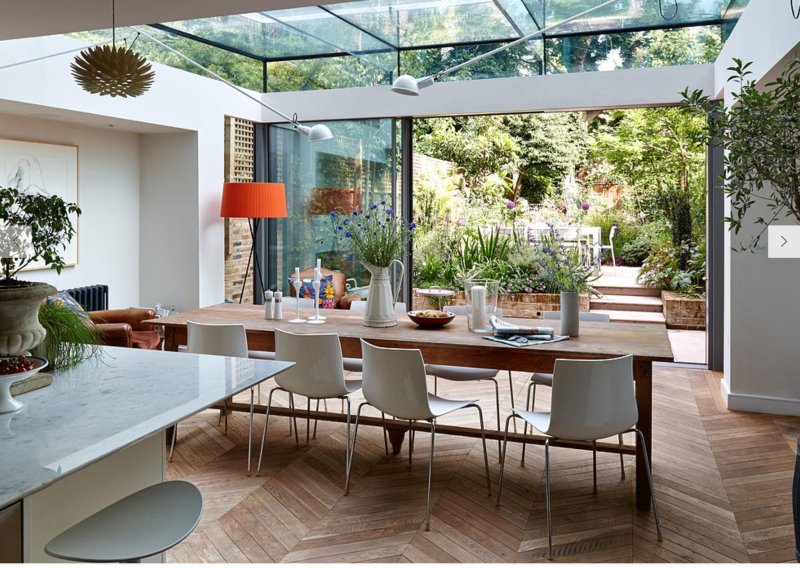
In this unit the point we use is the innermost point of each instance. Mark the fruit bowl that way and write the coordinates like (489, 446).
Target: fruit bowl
(431, 319)
(13, 370)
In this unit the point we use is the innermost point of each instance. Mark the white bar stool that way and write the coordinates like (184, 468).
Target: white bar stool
(143, 524)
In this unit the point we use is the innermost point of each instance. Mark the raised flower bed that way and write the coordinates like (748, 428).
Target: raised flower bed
(513, 305)
(682, 311)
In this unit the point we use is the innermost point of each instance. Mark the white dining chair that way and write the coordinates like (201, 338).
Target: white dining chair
(610, 246)
(395, 384)
(227, 339)
(463, 374)
(354, 364)
(317, 374)
(546, 379)
(592, 400)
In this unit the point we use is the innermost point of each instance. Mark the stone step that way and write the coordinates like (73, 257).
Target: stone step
(628, 303)
(631, 290)
(620, 316)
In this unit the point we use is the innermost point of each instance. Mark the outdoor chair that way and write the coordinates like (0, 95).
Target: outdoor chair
(592, 399)
(317, 374)
(395, 384)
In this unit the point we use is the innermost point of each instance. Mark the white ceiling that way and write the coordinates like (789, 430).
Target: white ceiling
(30, 18)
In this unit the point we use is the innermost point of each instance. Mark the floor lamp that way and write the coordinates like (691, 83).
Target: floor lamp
(253, 201)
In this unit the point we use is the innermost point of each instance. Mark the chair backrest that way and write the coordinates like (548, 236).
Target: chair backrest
(318, 370)
(582, 316)
(592, 399)
(228, 339)
(361, 306)
(612, 233)
(395, 382)
(462, 310)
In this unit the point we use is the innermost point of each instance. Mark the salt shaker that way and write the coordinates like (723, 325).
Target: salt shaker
(277, 310)
(268, 304)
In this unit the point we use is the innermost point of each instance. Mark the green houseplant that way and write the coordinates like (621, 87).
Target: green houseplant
(761, 134)
(70, 338)
(32, 227)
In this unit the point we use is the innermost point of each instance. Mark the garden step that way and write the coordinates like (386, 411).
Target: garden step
(628, 290)
(620, 316)
(628, 303)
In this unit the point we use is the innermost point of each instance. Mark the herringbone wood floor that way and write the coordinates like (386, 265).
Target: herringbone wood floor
(723, 481)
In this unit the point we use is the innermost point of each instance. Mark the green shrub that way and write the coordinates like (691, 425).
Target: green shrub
(662, 269)
(646, 238)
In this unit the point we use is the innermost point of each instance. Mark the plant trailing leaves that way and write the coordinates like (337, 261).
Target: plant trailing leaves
(761, 134)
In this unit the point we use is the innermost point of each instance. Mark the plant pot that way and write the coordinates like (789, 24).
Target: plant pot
(20, 330)
(570, 306)
(379, 310)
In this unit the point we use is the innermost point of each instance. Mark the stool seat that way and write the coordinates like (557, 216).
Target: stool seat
(143, 524)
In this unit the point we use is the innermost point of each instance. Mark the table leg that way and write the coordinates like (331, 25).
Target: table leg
(170, 344)
(643, 374)
(396, 437)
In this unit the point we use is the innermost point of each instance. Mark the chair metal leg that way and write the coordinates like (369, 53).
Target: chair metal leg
(308, 419)
(250, 432)
(497, 403)
(430, 477)
(621, 459)
(547, 499)
(485, 454)
(435, 385)
(347, 455)
(353, 449)
(385, 436)
(293, 420)
(594, 467)
(266, 426)
(410, 440)
(650, 481)
(503, 460)
(174, 439)
(529, 402)
(511, 391)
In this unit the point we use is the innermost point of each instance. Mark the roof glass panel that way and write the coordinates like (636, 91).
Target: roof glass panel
(627, 14)
(412, 23)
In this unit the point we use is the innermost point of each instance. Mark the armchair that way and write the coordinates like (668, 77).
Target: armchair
(124, 328)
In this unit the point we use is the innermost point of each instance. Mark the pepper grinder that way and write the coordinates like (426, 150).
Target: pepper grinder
(268, 304)
(277, 306)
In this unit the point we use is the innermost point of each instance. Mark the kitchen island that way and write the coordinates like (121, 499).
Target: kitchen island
(97, 435)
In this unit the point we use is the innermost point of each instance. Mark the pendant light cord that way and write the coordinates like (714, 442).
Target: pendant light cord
(114, 23)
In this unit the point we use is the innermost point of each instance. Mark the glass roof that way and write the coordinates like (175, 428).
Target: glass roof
(366, 27)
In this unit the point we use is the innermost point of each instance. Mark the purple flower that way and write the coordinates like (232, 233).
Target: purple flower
(346, 221)
(334, 214)
(355, 212)
(510, 204)
(389, 211)
(348, 234)
(412, 226)
(339, 228)
(585, 206)
(461, 222)
(373, 207)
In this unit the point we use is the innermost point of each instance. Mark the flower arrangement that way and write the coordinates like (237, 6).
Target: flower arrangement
(376, 235)
(562, 266)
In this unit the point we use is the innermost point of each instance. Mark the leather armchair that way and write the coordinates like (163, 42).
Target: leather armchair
(124, 328)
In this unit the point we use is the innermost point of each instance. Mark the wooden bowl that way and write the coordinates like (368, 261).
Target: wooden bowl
(431, 323)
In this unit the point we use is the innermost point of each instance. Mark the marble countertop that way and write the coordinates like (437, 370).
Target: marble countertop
(106, 404)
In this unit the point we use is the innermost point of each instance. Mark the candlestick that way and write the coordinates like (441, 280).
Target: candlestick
(478, 300)
(297, 283)
(296, 273)
(316, 317)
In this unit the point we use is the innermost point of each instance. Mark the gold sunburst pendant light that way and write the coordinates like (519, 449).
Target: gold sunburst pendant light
(112, 70)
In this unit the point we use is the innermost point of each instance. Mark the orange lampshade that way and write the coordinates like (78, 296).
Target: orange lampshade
(253, 200)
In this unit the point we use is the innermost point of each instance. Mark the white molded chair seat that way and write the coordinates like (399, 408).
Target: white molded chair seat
(140, 525)
(453, 373)
(592, 400)
(317, 374)
(395, 383)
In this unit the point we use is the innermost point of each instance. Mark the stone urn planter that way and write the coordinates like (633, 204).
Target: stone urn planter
(20, 330)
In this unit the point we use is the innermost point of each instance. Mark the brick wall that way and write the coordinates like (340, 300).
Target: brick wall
(239, 163)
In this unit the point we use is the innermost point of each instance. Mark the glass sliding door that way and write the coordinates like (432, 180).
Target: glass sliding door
(355, 169)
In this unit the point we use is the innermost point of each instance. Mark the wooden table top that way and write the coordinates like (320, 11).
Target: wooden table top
(646, 342)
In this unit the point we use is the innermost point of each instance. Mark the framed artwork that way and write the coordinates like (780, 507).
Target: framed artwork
(38, 167)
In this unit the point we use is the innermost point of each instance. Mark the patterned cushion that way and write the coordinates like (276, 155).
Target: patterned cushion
(64, 299)
(327, 298)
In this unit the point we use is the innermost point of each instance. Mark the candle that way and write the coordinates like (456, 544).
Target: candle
(297, 273)
(478, 300)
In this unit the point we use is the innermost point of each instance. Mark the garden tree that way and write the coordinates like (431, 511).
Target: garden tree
(656, 153)
(552, 146)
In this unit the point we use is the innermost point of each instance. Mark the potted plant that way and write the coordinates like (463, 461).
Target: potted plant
(377, 237)
(759, 134)
(33, 227)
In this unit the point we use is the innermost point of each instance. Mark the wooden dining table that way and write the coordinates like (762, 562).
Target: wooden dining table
(454, 344)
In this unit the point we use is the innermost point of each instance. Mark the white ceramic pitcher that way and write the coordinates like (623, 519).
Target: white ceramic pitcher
(381, 299)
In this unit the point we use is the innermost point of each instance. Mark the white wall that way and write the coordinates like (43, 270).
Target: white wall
(761, 307)
(108, 181)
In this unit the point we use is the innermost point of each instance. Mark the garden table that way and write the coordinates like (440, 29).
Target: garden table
(456, 345)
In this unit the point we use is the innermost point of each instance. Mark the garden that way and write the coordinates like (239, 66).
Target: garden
(637, 172)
